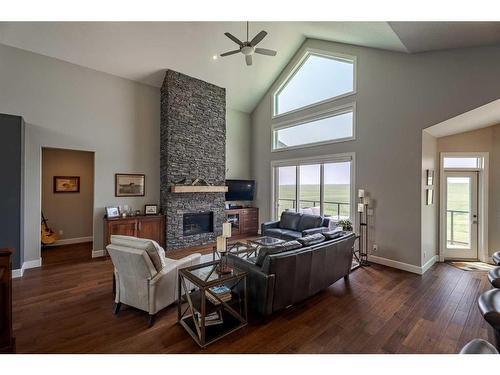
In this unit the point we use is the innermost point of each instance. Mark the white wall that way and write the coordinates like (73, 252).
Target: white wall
(68, 106)
(430, 213)
(238, 139)
(398, 96)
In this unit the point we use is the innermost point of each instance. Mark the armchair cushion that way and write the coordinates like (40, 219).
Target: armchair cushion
(308, 222)
(308, 232)
(154, 250)
(333, 234)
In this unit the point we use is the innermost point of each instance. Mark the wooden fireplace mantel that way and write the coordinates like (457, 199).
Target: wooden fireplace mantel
(197, 189)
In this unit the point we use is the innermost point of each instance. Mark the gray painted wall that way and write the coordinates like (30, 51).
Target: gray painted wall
(11, 188)
(398, 95)
(68, 106)
(430, 213)
(238, 145)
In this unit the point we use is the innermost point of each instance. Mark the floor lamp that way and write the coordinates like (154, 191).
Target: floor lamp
(363, 204)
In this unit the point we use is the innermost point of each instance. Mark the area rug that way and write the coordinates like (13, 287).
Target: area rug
(472, 266)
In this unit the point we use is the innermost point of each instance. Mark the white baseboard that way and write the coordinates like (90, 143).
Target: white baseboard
(26, 265)
(98, 253)
(70, 241)
(403, 266)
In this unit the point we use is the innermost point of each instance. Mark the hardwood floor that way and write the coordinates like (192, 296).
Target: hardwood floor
(67, 308)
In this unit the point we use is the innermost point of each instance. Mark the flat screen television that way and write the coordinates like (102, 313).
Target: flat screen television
(240, 190)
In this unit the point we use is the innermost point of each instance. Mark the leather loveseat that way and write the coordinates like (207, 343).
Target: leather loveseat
(285, 274)
(293, 225)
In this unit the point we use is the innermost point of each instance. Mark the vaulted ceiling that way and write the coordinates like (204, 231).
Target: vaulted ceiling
(142, 51)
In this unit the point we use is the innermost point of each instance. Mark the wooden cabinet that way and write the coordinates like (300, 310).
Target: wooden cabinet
(151, 227)
(7, 342)
(245, 221)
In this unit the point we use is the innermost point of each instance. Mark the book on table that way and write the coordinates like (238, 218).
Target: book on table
(222, 292)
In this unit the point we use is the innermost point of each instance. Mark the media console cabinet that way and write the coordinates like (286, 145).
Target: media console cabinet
(244, 221)
(151, 227)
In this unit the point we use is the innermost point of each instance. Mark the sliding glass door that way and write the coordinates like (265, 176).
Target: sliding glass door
(318, 188)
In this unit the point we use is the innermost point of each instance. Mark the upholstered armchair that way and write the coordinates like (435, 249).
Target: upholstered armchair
(145, 278)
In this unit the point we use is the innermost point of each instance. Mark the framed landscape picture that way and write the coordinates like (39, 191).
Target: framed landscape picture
(130, 185)
(66, 184)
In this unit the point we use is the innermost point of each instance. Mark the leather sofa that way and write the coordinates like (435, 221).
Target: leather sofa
(286, 274)
(293, 225)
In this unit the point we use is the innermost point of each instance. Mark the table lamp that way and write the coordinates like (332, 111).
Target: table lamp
(223, 268)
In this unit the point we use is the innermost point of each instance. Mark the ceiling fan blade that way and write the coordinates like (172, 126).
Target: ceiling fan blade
(248, 59)
(229, 53)
(265, 51)
(234, 39)
(257, 38)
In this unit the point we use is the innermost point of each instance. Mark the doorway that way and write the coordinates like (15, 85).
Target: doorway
(461, 208)
(67, 203)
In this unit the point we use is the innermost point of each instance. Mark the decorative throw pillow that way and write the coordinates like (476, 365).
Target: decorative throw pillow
(275, 249)
(333, 234)
(312, 239)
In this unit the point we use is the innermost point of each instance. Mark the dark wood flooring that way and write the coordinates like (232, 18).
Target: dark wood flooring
(67, 308)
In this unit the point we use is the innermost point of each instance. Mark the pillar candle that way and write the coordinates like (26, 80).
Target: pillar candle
(221, 244)
(226, 230)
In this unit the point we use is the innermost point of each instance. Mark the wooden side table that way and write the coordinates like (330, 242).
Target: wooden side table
(195, 284)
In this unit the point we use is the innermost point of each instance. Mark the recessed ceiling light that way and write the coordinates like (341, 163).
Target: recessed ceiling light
(215, 57)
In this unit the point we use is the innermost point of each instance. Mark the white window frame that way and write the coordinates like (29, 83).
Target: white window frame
(483, 189)
(332, 158)
(316, 52)
(350, 107)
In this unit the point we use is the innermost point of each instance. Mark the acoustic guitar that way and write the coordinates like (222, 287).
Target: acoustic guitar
(48, 235)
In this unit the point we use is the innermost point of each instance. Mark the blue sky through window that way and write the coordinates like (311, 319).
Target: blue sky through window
(319, 78)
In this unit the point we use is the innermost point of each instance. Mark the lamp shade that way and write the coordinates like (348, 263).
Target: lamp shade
(367, 200)
(361, 193)
(221, 244)
(226, 230)
(361, 207)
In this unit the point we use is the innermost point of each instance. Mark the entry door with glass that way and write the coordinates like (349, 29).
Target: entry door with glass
(461, 210)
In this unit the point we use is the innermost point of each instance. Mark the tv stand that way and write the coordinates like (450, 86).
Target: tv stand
(244, 221)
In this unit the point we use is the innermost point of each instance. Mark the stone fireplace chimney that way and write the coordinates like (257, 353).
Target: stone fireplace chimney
(192, 145)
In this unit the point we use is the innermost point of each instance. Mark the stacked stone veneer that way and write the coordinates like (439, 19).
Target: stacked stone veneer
(193, 145)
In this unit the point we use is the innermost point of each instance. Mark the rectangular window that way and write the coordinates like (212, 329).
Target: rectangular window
(320, 188)
(450, 162)
(333, 127)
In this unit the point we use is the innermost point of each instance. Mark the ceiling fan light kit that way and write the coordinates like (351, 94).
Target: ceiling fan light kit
(248, 48)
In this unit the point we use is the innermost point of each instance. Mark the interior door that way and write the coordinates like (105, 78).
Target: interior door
(461, 210)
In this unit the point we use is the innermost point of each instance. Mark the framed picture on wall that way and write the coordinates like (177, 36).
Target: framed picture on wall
(66, 184)
(429, 196)
(130, 185)
(430, 177)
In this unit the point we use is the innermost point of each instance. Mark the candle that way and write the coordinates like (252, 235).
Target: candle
(361, 207)
(221, 244)
(361, 193)
(226, 230)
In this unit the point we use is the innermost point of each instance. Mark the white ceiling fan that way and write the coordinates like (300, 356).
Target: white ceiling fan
(248, 48)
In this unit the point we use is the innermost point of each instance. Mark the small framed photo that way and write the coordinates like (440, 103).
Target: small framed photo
(130, 185)
(151, 209)
(66, 184)
(429, 195)
(430, 177)
(112, 212)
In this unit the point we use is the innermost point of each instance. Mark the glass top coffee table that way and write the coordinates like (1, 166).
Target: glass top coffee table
(211, 313)
(265, 241)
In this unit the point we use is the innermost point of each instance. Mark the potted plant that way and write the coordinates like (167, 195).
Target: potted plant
(345, 224)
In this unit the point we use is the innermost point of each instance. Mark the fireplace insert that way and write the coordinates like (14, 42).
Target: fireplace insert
(197, 223)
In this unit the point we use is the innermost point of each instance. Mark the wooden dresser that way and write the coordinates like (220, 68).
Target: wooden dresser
(151, 227)
(244, 221)
(7, 341)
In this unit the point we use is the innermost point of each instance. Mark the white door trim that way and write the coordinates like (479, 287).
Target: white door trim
(483, 192)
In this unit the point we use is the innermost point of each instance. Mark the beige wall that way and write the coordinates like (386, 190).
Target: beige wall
(398, 95)
(71, 213)
(430, 213)
(482, 140)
